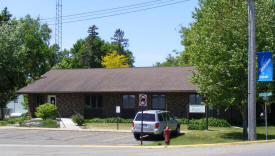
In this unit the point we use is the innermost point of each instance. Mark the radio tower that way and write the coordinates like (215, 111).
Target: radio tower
(58, 24)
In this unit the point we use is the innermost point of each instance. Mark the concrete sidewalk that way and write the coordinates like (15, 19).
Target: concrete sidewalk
(67, 123)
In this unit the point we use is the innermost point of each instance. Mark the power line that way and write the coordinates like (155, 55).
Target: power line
(88, 12)
(109, 11)
(125, 12)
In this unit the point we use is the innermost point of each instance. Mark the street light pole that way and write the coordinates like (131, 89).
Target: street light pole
(251, 72)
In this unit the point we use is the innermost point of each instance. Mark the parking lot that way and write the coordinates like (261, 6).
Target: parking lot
(51, 137)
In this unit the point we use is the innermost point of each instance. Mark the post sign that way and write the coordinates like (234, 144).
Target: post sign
(196, 108)
(142, 100)
(117, 109)
(265, 66)
(265, 94)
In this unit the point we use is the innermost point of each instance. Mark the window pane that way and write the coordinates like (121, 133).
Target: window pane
(155, 101)
(125, 101)
(132, 101)
(146, 117)
(160, 117)
(93, 100)
(87, 100)
(161, 102)
(192, 99)
(99, 101)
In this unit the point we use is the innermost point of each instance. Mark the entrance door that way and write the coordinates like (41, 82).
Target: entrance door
(52, 99)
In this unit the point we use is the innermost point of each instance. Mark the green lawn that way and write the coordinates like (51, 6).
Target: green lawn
(122, 126)
(216, 135)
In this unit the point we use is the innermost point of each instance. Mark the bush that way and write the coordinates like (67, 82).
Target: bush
(200, 124)
(109, 120)
(78, 119)
(49, 124)
(17, 119)
(218, 122)
(46, 111)
(183, 120)
(196, 124)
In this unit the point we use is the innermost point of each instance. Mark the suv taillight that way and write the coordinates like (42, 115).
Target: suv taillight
(157, 125)
(133, 124)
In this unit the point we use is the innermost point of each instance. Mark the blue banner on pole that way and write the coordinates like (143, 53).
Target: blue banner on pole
(265, 66)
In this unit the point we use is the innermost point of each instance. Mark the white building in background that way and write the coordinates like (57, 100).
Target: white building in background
(14, 107)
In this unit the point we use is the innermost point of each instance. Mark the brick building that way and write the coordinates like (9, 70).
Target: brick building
(96, 92)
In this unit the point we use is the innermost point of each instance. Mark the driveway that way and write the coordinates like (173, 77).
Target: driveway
(50, 137)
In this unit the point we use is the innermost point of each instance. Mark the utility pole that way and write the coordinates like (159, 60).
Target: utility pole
(58, 24)
(251, 72)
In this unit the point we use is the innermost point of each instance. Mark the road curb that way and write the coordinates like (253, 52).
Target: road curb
(181, 146)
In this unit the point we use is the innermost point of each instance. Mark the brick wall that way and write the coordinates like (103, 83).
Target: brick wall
(68, 103)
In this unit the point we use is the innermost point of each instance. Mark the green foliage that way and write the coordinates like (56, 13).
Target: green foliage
(183, 120)
(197, 124)
(25, 53)
(46, 111)
(109, 120)
(200, 124)
(16, 120)
(49, 123)
(3, 123)
(25, 101)
(89, 52)
(78, 119)
(40, 123)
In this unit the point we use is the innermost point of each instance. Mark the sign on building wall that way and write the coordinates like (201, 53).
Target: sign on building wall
(143, 100)
(196, 108)
(265, 66)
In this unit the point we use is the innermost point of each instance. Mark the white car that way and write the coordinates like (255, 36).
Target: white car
(154, 123)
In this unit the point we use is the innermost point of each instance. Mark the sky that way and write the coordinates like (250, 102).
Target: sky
(152, 34)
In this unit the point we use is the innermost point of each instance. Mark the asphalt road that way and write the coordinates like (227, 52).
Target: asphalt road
(15, 142)
(50, 137)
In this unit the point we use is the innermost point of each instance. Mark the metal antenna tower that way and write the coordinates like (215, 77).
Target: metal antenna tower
(58, 24)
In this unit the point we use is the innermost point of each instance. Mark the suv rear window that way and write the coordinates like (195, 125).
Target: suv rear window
(146, 117)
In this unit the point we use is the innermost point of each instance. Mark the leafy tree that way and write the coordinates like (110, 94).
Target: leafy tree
(114, 60)
(171, 60)
(216, 45)
(11, 66)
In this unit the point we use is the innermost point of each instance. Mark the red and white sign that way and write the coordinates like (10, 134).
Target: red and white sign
(143, 100)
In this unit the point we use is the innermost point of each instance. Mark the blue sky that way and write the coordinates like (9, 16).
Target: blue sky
(152, 34)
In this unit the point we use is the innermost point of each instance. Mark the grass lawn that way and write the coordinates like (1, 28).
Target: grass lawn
(215, 135)
(122, 126)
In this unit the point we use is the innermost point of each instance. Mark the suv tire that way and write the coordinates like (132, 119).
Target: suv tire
(137, 136)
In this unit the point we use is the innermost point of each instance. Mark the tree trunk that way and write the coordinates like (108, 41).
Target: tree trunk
(244, 116)
(2, 116)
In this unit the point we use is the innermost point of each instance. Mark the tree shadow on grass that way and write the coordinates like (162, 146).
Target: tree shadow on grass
(159, 138)
(239, 136)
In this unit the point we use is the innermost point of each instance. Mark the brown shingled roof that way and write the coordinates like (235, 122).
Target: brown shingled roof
(99, 80)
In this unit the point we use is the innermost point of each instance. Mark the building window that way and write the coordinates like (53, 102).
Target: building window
(93, 101)
(40, 99)
(158, 101)
(129, 101)
(195, 99)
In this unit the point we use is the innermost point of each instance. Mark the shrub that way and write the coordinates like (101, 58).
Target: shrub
(49, 123)
(196, 124)
(218, 122)
(183, 120)
(78, 119)
(109, 120)
(17, 119)
(46, 111)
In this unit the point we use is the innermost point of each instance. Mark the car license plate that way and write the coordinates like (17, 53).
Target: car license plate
(145, 125)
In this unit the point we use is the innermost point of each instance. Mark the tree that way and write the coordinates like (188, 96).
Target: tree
(11, 67)
(91, 56)
(171, 60)
(216, 45)
(5, 16)
(120, 44)
(114, 60)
